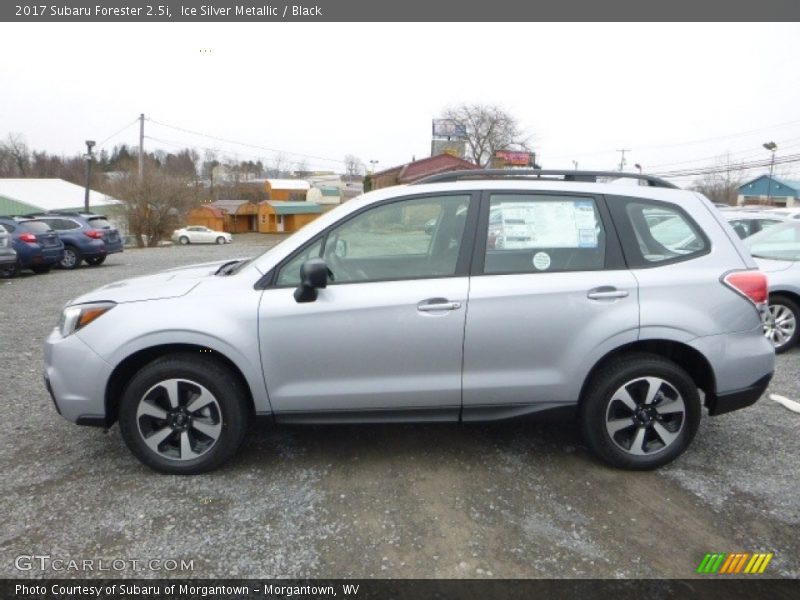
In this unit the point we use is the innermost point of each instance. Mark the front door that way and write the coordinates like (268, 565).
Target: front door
(384, 339)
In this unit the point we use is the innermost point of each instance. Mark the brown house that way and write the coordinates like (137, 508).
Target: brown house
(241, 216)
(286, 189)
(281, 216)
(207, 216)
(409, 172)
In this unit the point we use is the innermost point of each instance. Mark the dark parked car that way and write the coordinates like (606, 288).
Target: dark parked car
(37, 245)
(86, 236)
(8, 256)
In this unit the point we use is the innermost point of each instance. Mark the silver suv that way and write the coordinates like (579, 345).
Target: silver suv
(627, 306)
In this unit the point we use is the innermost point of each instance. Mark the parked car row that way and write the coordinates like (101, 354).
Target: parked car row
(65, 239)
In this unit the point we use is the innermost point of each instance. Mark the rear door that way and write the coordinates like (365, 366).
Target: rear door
(550, 294)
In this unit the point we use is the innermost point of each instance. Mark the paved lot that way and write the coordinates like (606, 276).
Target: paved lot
(503, 500)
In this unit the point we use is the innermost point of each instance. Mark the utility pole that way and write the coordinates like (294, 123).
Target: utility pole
(622, 152)
(141, 147)
(575, 162)
(771, 146)
(89, 158)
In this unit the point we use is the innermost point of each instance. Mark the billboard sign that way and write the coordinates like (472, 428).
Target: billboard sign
(515, 158)
(448, 128)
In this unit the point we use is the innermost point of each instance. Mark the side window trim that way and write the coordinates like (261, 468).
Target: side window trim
(269, 280)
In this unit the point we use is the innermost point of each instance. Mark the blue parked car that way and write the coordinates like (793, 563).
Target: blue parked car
(38, 246)
(86, 236)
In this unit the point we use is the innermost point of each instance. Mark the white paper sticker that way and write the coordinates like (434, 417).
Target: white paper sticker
(541, 260)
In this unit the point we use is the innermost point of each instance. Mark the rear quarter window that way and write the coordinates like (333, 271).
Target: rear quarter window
(36, 226)
(100, 224)
(655, 233)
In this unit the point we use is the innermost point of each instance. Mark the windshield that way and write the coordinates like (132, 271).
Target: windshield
(781, 242)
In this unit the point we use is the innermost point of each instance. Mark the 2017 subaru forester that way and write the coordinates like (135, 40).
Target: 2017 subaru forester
(628, 306)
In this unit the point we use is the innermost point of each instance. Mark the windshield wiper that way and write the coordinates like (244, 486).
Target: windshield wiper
(228, 267)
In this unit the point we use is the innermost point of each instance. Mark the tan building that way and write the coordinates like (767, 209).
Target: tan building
(207, 216)
(286, 189)
(241, 216)
(281, 216)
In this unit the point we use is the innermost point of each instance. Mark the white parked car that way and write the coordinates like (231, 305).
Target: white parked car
(198, 234)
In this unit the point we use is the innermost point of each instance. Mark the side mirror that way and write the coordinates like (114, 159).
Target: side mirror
(313, 276)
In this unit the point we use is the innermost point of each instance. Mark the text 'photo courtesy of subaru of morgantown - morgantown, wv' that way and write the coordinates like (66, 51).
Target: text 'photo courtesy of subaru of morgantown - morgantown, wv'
(467, 296)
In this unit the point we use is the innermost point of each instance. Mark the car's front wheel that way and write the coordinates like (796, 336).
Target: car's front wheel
(640, 412)
(183, 414)
(220, 240)
(780, 323)
(183, 240)
(72, 258)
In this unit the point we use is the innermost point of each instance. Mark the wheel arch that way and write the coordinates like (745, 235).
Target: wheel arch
(689, 359)
(128, 367)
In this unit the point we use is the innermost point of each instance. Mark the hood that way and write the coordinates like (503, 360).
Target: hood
(166, 284)
(772, 265)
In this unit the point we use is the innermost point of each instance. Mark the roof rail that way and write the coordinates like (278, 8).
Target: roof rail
(549, 175)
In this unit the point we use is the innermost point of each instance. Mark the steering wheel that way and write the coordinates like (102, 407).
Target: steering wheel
(341, 273)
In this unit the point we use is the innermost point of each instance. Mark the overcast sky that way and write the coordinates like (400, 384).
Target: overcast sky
(326, 90)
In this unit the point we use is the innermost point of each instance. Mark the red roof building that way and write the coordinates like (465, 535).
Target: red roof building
(410, 172)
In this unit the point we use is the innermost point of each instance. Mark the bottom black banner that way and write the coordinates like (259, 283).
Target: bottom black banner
(389, 589)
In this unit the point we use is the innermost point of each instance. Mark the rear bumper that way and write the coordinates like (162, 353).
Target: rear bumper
(730, 401)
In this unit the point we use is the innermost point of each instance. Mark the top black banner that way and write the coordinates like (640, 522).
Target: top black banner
(399, 10)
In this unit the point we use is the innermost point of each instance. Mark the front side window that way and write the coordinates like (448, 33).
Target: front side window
(289, 274)
(541, 233)
(410, 239)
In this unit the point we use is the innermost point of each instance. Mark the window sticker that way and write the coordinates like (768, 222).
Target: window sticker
(558, 224)
(541, 260)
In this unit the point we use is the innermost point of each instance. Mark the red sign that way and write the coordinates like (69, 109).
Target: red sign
(515, 157)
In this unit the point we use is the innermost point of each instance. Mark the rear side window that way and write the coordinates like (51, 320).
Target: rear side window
(662, 233)
(540, 233)
(100, 223)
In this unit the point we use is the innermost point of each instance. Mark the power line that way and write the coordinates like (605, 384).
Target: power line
(245, 144)
(115, 134)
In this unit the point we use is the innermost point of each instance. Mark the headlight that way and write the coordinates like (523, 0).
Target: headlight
(75, 317)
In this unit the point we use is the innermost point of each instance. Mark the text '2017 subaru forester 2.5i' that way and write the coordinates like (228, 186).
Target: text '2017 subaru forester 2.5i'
(473, 296)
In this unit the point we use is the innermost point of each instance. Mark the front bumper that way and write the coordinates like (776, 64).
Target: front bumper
(76, 378)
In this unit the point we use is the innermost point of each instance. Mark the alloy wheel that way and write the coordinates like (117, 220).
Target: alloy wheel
(780, 325)
(179, 419)
(645, 416)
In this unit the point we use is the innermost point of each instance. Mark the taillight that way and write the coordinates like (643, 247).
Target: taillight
(94, 234)
(27, 237)
(750, 284)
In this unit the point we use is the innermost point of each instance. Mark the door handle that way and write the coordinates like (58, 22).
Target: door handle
(606, 293)
(437, 304)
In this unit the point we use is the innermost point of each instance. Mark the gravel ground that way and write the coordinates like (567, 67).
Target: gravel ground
(500, 500)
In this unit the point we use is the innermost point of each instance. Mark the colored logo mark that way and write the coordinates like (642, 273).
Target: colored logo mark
(721, 563)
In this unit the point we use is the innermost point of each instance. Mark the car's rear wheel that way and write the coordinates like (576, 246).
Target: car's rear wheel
(72, 258)
(183, 414)
(9, 271)
(640, 412)
(780, 322)
(95, 260)
(41, 269)
(183, 240)
(220, 240)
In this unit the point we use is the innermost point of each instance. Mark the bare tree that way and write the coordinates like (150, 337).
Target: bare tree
(301, 167)
(353, 165)
(15, 157)
(721, 185)
(153, 206)
(279, 166)
(488, 128)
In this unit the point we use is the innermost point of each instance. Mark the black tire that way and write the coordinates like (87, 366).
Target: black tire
(95, 260)
(602, 410)
(72, 258)
(41, 269)
(183, 240)
(786, 310)
(220, 240)
(9, 271)
(230, 413)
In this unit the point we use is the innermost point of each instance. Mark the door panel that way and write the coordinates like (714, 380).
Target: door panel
(528, 336)
(365, 346)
